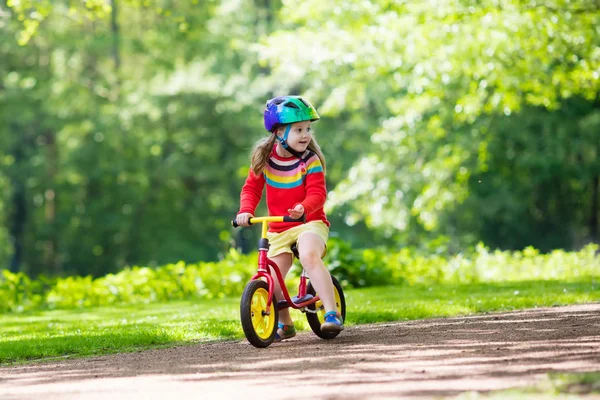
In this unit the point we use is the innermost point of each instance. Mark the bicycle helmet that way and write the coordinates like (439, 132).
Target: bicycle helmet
(287, 110)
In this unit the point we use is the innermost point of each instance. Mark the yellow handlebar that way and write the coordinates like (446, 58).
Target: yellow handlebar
(258, 220)
(265, 221)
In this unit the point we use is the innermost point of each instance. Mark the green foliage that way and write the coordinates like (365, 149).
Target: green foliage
(358, 268)
(123, 137)
(125, 125)
(353, 267)
(135, 285)
(371, 267)
(5, 243)
(138, 285)
(19, 293)
(466, 93)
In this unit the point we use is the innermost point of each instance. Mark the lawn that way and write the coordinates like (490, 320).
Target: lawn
(49, 335)
(554, 386)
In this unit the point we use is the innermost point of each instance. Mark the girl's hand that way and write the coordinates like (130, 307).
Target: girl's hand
(243, 219)
(297, 211)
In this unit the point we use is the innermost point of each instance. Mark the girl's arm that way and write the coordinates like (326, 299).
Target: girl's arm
(251, 193)
(316, 190)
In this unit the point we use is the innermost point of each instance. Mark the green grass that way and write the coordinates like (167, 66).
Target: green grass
(555, 386)
(103, 330)
(407, 303)
(588, 382)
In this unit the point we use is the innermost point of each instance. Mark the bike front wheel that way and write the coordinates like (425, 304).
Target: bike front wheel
(316, 319)
(258, 322)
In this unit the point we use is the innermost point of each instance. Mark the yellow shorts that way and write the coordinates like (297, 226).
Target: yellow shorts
(281, 242)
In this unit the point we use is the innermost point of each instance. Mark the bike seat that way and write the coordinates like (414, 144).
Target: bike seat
(294, 249)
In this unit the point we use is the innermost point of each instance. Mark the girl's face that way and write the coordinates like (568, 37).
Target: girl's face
(299, 136)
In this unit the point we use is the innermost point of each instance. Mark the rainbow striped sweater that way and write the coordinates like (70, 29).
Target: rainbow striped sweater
(289, 181)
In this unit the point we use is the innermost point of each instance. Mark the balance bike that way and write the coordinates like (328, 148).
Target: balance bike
(259, 311)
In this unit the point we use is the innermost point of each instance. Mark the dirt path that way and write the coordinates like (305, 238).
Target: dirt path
(417, 359)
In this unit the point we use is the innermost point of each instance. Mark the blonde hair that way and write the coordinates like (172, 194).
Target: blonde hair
(259, 157)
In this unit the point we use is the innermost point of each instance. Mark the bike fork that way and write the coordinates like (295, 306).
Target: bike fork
(302, 286)
(302, 293)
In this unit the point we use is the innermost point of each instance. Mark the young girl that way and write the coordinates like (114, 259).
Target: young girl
(290, 162)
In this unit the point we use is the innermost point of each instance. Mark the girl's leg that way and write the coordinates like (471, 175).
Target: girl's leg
(311, 249)
(284, 261)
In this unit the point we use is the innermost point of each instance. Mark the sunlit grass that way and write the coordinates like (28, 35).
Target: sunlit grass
(554, 386)
(103, 330)
(587, 382)
(406, 303)
(106, 330)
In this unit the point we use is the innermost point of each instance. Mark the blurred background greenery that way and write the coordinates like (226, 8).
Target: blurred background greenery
(126, 125)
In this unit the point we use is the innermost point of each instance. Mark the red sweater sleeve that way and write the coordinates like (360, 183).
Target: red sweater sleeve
(251, 193)
(316, 192)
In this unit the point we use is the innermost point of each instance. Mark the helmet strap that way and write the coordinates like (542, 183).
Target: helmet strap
(284, 143)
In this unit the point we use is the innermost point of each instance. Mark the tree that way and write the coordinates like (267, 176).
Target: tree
(447, 75)
(128, 129)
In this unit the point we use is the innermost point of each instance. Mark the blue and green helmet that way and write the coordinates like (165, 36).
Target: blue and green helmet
(287, 110)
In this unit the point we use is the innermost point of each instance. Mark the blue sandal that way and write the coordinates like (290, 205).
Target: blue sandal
(287, 332)
(332, 322)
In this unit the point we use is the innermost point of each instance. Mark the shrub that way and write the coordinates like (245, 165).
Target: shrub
(353, 267)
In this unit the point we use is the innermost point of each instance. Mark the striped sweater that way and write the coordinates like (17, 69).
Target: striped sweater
(290, 181)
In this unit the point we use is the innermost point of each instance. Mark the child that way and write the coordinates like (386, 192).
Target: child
(292, 165)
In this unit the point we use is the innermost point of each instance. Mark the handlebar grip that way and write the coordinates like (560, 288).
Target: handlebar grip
(285, 219)
(235, 224)
(290, 219)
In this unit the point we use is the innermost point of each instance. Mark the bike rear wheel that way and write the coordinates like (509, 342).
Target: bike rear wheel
(316, 319)
(258, 322)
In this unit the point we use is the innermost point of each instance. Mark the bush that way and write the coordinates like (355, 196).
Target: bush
(372, 267)
(353, 267)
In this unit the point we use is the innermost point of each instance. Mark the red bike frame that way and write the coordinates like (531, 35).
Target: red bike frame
(264, 263)
(263, 272)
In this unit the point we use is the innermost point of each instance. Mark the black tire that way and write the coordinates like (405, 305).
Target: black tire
(314, 320)
(259, 331)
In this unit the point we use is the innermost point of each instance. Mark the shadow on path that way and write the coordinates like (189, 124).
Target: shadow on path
(417, 359)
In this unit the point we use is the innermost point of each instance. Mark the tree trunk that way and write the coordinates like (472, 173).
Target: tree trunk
(264, 25)
(268, 16)
(115, 35)
(51, 248)
(135, 243)
(17, 224)
(593, 224)
(18, 216)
